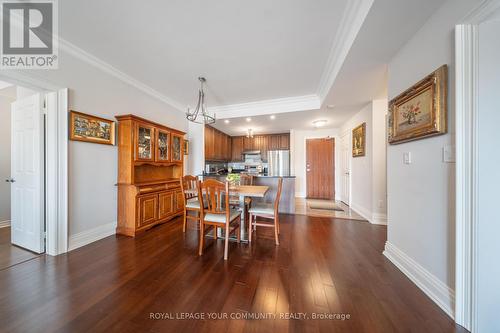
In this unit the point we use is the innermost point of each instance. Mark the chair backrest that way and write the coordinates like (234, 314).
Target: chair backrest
(246, 179)
(213, 194)
(278, 195)
(189, 187)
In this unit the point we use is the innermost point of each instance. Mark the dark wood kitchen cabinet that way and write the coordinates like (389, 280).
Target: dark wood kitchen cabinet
(217, 145)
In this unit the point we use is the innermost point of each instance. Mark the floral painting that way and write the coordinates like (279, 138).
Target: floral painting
(415, 112)
(420, 111)
(93, 129)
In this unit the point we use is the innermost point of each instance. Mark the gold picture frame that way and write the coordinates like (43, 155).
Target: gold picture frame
(88, 128)
(359, 140)
(186, 147)
(420, 111)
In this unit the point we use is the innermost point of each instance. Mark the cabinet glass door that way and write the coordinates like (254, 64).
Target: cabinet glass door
(176, 148)
(163, 147)
(144, 143)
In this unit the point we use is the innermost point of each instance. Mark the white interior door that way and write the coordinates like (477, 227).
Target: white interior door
(27, 179)
(345, 167)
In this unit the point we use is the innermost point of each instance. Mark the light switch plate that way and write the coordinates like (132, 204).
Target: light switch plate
(449, 154)
(407, 157)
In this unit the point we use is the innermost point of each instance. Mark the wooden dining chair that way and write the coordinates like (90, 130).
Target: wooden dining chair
(266, 211)
(218, 212)
(189, 188)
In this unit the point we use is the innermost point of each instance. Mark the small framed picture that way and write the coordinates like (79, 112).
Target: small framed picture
(358, 140)
(186, 147)
(88, 128)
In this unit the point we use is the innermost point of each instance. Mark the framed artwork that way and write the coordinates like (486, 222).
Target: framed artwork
(84, 127)
(420, 111)
(359, 140)
(186, 147)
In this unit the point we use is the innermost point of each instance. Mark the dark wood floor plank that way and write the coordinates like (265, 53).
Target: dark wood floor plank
(322, 266)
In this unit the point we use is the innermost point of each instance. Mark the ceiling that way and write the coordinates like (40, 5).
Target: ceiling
(283, 122)
(259, 57)
(247, 50)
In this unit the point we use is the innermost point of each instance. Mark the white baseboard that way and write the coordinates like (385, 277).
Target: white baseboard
(4, 224)
(379, 219)
(89, 236)
(437, 290)
(373, 218)
(363, 212)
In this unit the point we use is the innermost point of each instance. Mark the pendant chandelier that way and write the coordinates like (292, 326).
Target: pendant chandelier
(200, 114)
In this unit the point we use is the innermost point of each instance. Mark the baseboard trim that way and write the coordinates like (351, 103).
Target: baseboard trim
(89, 236)
(437, 290)
(379, 219)
(363, 212)
(373, 218)
(5, 224)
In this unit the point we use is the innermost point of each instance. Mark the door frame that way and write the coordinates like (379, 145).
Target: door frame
(56, 158)
(335, 152)
(348, 134)
(466, 104)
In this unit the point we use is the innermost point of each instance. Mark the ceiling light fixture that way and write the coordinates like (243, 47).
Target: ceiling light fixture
(249, 119)
(226, 121)
(330, 106)
(319, 123)
(272, 116)
(200, 115)
(249, 133)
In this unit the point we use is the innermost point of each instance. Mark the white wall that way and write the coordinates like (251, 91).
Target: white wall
(488, 179)
(368, 173)
(421, 195)
(298, 157)
(196, 160)
(93, 167)
(7, 96)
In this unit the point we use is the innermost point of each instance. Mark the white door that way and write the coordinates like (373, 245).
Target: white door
(27, 174)
(345, 167)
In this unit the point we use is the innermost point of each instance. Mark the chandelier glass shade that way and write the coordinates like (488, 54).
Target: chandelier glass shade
(200, 114)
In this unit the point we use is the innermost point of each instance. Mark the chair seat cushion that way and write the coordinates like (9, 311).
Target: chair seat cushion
(193, 203)
(262, 208)
(221, 218)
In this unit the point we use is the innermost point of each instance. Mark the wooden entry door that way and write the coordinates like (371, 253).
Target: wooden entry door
(320, 168)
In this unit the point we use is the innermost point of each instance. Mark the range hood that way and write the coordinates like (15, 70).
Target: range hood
(251, 152)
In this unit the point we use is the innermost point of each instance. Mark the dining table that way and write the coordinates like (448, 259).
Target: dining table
(243, 192)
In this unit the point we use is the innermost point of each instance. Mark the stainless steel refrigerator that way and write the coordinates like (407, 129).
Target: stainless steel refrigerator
(278, 163)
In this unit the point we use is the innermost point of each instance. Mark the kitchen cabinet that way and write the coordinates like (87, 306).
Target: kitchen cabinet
(237, 148)
(222, 147)
(217, 145)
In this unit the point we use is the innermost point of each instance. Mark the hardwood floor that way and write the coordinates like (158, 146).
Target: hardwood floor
(321, 266)
(10, 254)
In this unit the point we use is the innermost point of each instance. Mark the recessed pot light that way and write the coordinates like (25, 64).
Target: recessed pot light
(319, 123)
(272, 116)
(249, 119)
(226, 121)
(330, 106)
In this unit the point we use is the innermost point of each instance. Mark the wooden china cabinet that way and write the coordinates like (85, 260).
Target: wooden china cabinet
(150, 165)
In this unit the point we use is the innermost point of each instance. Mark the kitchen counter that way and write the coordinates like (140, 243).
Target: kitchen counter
(287, 200)
(255, 175)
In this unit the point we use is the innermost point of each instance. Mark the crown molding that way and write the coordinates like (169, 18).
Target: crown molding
(352, 19)
(482, 12)
(275, 106)
(85, 56)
